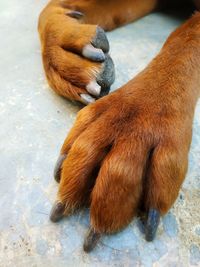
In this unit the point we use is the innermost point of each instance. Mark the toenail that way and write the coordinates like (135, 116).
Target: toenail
(57, 211)
(95, 54)
(93, 88)
(75, 14)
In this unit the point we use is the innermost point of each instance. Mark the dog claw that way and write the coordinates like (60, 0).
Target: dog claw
(93, 88)
(152, 224)
(95, 54)
(100, 40)
(57, 211)
(87, 99)
(75, 14)
(57, 169)
(107, 77)
(91, 240)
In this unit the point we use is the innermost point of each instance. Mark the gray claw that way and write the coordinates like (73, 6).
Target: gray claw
(99, 45)
(100, 40)
(107, 77)
(57, 211)
(57, 169)
(93, 88)
(91, 240)
(75, 14)
(95, 54)
(87, 99)
(152, 224)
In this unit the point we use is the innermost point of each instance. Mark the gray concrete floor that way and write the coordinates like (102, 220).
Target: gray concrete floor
(34, 123)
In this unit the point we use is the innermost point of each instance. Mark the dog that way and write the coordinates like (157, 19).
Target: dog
(127, 151)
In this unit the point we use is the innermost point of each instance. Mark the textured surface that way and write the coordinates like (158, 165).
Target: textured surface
(34, 123)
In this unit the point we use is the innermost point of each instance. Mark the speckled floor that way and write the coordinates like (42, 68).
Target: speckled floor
(34, 123)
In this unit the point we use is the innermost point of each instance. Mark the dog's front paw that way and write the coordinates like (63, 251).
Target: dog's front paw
(75, 57)
(126, 152)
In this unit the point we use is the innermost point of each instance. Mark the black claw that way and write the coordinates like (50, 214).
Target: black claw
(152, 224)
(100, 40)
(75, 14)
(57, 211)
(91, 240)
(107, 76)
(57, 169)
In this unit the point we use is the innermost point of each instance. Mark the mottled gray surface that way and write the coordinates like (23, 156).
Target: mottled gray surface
(34, 123)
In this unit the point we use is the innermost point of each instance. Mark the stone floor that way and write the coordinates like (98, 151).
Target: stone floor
(34, 123)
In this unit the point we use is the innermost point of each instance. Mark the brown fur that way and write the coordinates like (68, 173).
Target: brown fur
(130, 147)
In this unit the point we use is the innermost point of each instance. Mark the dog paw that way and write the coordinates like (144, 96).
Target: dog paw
(76, 59)
(127, 152)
